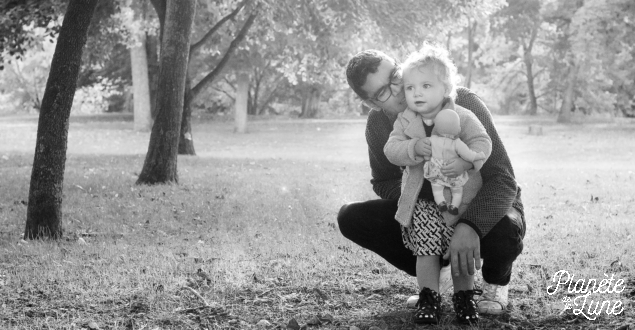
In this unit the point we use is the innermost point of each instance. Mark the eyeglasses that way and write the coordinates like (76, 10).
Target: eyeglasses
(386, 91)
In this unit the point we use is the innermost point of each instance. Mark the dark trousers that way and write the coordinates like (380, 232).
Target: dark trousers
(372, 225)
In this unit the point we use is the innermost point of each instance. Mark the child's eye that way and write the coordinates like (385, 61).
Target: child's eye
(426, 86)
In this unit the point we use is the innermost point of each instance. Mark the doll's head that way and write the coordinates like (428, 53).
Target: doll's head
(447, 122)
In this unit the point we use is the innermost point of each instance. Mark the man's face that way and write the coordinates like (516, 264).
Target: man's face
(383, 92)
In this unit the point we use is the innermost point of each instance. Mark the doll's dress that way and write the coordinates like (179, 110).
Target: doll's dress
(442, 146)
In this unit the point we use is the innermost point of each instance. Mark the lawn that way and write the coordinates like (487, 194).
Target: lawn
(249, 237)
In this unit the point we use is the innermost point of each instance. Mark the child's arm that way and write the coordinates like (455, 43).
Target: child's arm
(400, 149)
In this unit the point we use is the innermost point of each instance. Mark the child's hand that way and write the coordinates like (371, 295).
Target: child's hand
(456, 167)
(422, 148)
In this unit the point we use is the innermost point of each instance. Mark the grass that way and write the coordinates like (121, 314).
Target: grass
(249, 237)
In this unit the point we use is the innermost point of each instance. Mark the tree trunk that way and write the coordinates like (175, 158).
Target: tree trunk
(471, 31)
(160, 165)
(529, 61)
(242, 95)
(153, 48)
(310, 103)
(186, 142)
(152, 51)
(141, 87)
(44, 212)
(568, 98)
(533, 103)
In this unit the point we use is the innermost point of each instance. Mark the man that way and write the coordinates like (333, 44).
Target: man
(493, 226)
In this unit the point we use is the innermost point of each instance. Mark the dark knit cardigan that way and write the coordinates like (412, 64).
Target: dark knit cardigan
(499, 192)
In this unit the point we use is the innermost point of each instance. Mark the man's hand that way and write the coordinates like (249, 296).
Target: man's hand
(464, 250)
(456, 167)
(422, 148)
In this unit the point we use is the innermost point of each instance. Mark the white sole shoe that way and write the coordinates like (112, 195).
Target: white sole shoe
(494, 299)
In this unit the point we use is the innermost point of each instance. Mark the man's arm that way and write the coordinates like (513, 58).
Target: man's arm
(499, 188)
(386, 177)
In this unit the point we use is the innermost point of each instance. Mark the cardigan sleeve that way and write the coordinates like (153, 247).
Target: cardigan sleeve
(386, 177)
(475, 136)
(499, 191)
(400, 148)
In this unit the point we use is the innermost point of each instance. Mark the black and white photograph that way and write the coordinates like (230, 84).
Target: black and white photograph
(317, 164)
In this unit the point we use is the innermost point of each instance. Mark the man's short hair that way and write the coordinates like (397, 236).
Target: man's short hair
(362, 64)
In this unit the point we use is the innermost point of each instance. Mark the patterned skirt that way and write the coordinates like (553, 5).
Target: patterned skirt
(428, 235)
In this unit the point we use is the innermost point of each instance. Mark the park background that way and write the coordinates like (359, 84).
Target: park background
(246, 236)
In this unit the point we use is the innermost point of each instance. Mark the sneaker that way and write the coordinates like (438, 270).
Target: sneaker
(494, 299)
(445, 284)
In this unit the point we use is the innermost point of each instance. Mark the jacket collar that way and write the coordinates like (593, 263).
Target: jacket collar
(415, 128)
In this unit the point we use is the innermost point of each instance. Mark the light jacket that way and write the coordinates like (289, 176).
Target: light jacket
(400, 150)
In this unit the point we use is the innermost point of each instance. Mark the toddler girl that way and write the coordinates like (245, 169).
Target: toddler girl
(429, 79)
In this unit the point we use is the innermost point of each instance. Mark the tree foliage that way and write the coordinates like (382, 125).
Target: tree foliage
(523, 56)
(19, 18)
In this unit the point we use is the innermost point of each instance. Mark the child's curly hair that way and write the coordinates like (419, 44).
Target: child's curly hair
(439, 59)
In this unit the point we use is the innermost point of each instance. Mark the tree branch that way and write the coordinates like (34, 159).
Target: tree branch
(272, 93)
(226, 93)
(197, 45)
(160, 7)
(229, 83)
(219, 67)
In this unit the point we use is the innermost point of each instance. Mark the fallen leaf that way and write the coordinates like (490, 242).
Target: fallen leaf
(374, 296)
(263, 324)
(321, 295)
(293, 324)
(313, 321)
(326, 318)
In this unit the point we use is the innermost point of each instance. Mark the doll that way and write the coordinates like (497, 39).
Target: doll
(447, 146)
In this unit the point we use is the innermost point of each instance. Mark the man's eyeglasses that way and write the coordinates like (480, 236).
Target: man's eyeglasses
(386, 91)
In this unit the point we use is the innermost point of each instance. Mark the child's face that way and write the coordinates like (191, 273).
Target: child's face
(424, 91)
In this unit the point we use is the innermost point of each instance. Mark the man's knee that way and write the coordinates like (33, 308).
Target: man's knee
(505, 240)
(346, 218)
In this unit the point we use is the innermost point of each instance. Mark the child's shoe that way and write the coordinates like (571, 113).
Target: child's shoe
(443, 206)
(453, 210)
(465, 306)
(445, 284)
(428, 307)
